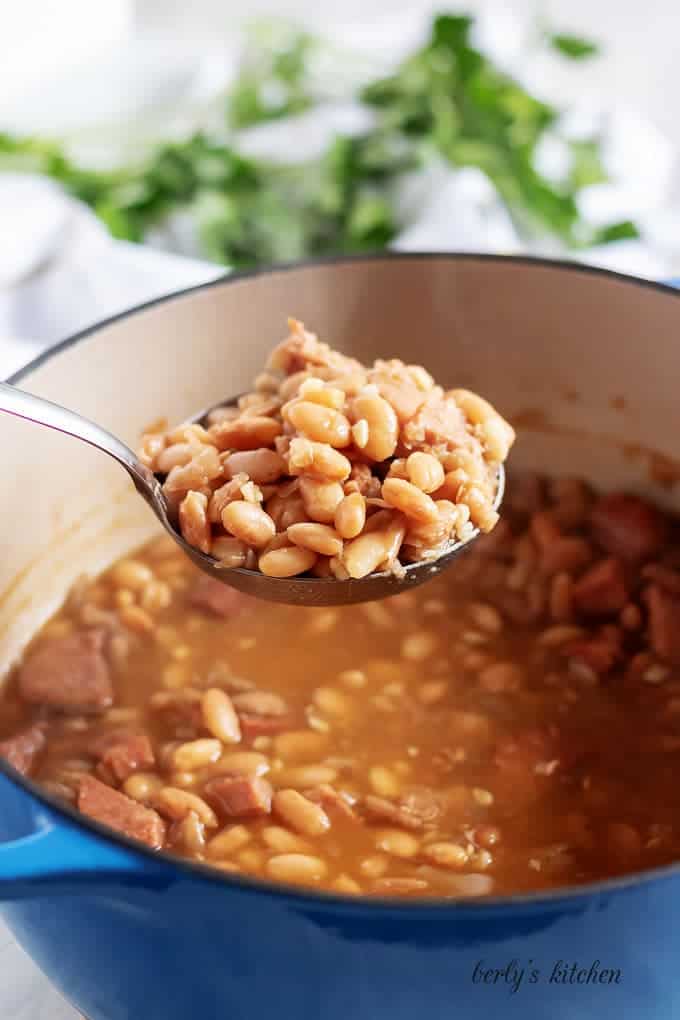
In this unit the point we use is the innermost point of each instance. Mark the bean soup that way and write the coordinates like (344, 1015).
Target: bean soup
(512, 726)
(332, 468)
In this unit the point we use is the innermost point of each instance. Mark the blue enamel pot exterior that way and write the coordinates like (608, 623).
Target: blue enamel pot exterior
(126, 934)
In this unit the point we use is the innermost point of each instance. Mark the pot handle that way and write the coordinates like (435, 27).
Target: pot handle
(56, 856)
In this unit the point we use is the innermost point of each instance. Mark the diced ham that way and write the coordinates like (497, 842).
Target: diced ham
(332, 801)
(602, 590)
(572, 499)
(122, 813)
(522, 607)
(398, 387)
(666, 577)
(567, 554)
(379, 809)
(100, 742)
(638, 665)
(438, 422)
(600, 653)
(264, 725)
(69, 674)
(628, 527)
(544, 529)
(557, 552)
(22, 749)
(406, 400)
(240, 796)
(178, 707)
(302, 350)
(219, 599)
(664, 623)
(127, 755)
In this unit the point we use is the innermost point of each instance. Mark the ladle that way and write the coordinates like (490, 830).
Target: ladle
(307, 591)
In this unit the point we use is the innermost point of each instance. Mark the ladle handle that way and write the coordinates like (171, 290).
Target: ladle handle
(54, 416)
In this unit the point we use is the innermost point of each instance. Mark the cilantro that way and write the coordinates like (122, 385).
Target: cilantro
(573, 46)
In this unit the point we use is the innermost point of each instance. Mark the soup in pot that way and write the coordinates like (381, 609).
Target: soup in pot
(512, 726)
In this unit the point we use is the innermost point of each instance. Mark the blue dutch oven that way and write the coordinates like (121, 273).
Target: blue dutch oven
(587, 362)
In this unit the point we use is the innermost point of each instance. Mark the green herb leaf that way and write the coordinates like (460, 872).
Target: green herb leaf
(273, 79)
(573, 46)
(625, 230)
(586, 164)
(446, 100)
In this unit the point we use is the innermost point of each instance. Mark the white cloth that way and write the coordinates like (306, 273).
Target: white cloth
(60, 271)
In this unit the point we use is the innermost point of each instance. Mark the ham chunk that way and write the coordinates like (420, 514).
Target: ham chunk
(602, 590)
(600, 653)
(126, 755)
(240, 796)
(398, 387)
(219, 599)
(22, 749)
(102, 740)
(557, 552)
(628, 527)
(120, 812)
(379, 809)
(332, 801)
(666, 577)
(664, 623)
(566, 554)
(302, 351)
(69, 674)
(544, 529)
(263, 725)
(438, 422)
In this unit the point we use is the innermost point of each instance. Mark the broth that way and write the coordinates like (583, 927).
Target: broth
(512, 726)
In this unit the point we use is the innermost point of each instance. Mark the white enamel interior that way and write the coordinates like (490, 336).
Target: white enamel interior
(565, 345)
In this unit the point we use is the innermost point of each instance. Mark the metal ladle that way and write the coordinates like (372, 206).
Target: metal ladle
(302, 591)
